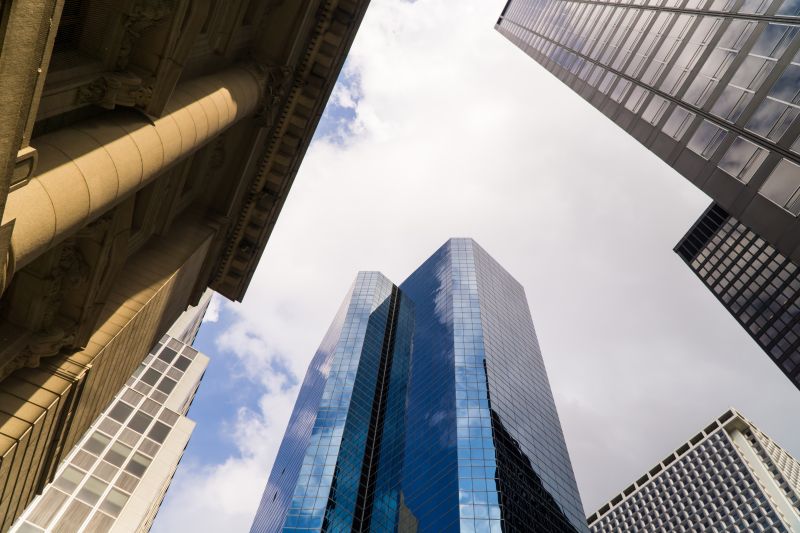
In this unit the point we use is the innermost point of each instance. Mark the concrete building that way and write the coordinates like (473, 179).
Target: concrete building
(757, 284)
(712, 87)
(117, 475)
(146, 149)
(427, 408)
(729, 478)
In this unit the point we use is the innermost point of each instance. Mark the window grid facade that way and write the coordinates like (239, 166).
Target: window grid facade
(710, 86)
(756, 283)
(721, 480)
(464, 434)
(100, 475)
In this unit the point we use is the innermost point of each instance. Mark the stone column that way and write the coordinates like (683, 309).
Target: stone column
(25, 44)
(87, 168)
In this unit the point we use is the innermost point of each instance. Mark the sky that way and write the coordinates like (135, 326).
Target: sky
(438, 128)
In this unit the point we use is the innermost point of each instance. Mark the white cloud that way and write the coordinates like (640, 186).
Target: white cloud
(224, 497)
(212, 313)
(458, 133)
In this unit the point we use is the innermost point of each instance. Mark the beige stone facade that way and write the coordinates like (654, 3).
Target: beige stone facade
(146, 149)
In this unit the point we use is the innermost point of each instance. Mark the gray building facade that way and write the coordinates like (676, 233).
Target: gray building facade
(712, 87)
(117, 475)
(728, 478)
(427, 408)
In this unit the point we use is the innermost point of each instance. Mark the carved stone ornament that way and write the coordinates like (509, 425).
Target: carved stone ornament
(43, 344)
(218, 153)
(143, 15)
(117, 88)
(70, 272)
(276, 81)
(73, 267)
(266, 199)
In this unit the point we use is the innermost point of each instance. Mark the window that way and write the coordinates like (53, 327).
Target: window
(159, 432)
(150, 407)
(168, 417)
(92, 490)
(117, 454)
(607, 82)
(782, 186)
(139, 422)
(131, 397)
(105, 471)
(743, 159)
(167, 355)
(637, 98)
(706, 139)
(620, 91)
(109, 426)
(789, 8)
(120, 411)
(774, 40)
(96, 443)
(780, 109)
(114, 502)
(166, 385)
(182, 363)
(151, 376)
(138, 464)
(69, 479)
(731, 103)
(189, 352)
(148, 447)
(772, 119)
(655, 110)
(678, 123)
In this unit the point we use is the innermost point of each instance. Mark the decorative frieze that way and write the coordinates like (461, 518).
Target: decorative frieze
(116, 88)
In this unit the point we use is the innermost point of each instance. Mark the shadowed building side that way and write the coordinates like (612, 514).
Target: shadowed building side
(145, 153)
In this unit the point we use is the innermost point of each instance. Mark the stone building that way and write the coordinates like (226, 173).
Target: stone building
(146, 149)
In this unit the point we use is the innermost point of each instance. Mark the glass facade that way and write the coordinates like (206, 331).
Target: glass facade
(338, 466)
(710, 86)
(459, 434)
(757, 284)
(729, 478)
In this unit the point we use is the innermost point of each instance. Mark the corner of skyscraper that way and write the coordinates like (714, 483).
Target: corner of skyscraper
(426, 408)
(710, 87)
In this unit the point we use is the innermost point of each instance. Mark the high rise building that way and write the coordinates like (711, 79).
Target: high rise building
(146, 150)
(426, 408)
(116, 476)
(757, 284)
(712, 87)
(728, 478)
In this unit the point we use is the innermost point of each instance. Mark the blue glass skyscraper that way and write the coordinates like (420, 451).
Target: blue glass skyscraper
(426, 408)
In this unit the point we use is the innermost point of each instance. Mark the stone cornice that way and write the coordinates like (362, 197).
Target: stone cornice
(296, 97)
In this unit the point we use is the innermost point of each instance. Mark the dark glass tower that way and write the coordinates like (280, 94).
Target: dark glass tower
(757, 284)
(458, 433)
